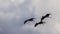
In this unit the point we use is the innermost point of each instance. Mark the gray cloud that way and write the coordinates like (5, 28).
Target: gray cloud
(13, 14)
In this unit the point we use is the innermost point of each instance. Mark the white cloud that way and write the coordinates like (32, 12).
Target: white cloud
(57, 27)
(36, 7)
(52, 25)
(8, 3)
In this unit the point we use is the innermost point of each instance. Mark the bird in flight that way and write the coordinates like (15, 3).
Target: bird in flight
(46, 16)
(39, 23)
(31, 19)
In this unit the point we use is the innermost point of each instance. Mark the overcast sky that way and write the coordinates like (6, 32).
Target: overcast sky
(13, 13)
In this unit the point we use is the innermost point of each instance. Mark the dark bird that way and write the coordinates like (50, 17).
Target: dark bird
(39, 23)
(31, 19)
(46, 16)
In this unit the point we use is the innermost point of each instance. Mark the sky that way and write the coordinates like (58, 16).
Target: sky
(13, 13)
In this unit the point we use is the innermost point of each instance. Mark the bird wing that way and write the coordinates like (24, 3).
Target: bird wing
(47, 15)
(43, 17)
(35, 24)
(25, 21)
(31, 19)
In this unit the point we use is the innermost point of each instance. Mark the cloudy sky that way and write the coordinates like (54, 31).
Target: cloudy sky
(13, 13)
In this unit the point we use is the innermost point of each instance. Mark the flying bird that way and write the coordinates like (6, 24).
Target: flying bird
(39, 23)
(46, 16)
(31, 19)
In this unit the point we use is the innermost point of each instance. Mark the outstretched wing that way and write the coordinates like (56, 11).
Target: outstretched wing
(25, 21)
(47, 15)
(43, 17)
(31, 19)
(35, 24)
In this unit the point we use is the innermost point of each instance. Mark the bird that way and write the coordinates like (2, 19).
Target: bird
(39, 23)
(43, 17)
(31, 19)
(46, 16)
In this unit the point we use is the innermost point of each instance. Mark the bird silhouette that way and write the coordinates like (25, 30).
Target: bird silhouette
(39, 23)
(46, 16)
(31, 19)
